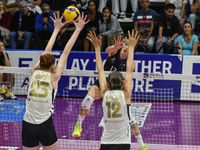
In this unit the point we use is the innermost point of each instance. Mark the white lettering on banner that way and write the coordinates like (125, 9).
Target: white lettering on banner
(166, 66)
(140, 85)
(84, 64)
(155, 66)
(76, 65)
(148, 67)
(73, 81)
(148, 85)
(78, 81)
(167, 70)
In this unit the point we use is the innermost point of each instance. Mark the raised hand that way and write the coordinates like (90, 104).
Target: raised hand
(81, 23)
(118, 42)
(133, 39)
(58, 21)
(94, 40)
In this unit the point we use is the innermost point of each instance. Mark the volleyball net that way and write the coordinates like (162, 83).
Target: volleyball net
(165, 106)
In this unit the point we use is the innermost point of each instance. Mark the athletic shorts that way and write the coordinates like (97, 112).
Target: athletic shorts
(115, 147)
(44, 133)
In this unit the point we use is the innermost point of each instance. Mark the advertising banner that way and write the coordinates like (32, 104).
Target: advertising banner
(149, 64)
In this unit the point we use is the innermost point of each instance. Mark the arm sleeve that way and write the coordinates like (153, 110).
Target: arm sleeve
(15, 22)
(161, 20)
(51, 24)
(8, 18)
(38, 24)
(195, 39)
(113, 27)
(135, 16)
(179, 38)
(102, 27)
(154, 16)
(177, 28)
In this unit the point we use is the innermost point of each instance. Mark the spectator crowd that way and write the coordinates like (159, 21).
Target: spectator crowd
(28, 23)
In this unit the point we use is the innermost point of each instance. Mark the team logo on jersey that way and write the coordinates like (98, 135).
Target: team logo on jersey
(122, 66)
(112, 60)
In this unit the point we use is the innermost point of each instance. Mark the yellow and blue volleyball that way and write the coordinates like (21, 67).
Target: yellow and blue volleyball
(5, 93)
(71, 13)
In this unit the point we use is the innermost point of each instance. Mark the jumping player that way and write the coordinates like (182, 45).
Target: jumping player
(43, 84)
(116, 96)
(116, 61)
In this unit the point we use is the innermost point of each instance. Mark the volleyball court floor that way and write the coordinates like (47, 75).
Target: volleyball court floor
(168, 125)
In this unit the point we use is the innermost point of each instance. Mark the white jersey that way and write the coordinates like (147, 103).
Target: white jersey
(116, 113)
(40, 97)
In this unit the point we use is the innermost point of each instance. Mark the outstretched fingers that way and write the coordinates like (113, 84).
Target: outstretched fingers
(61, 16)
(132, 33)
(90, 35)
(129, 35)
(126, 39)
(54, 17)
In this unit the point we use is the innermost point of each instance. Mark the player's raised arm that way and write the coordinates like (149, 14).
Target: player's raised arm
(63, 58)
(57, 26)
(114, 48)
(97, 45)
(130, 64)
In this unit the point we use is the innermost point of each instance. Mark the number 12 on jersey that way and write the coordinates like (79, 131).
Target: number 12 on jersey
(112, 106)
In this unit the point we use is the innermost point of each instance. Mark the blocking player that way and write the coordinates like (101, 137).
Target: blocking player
(43, 84)
(116, 96)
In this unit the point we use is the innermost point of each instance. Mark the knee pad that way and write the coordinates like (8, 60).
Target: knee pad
(87, 102)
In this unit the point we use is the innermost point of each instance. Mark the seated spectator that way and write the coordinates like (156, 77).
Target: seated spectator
(115, 6)
(195, 12)
(188, 42)
(123, 4)
(34, 5)
(23, 26)
(169, 27)
(67, 31)
(12, 5)
(180, 9)
(109, 27)
(5, 23)
(145, 18)
(6, 79)
(93, 25)
(44, 26)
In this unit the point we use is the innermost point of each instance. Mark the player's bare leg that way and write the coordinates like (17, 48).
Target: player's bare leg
(32, 148)
(136, 132)
(54, 146)
(93, 94)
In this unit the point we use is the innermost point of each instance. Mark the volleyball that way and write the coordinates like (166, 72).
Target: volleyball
(5, 93)
(71, 13)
